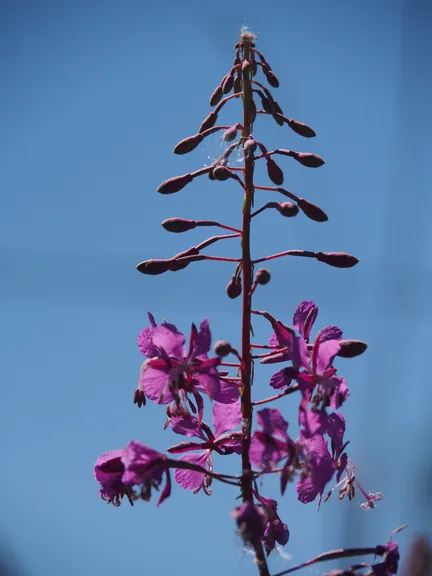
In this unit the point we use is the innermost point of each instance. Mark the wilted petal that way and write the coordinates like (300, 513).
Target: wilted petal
(189, 479)
(138, 459)
(341, 392)
(336, 430)
(270, 420)
(320, 470)
(226, 416)
(189, 427)
(170, 340)
(108, 471)
(304, 317)
(265, 452)
(202, 342)
(154, 382)
(326, 352)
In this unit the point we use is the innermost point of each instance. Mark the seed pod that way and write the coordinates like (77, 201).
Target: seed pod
(237, 85)
(209, 122)
(337, 259)
(174, 184)
(312, 211)
(274, 172)
(216, 97)
(287, 209)
(178, 225)
(309, 160)
(272, 79)
(221, 173)
(234, 288)
(351, 348)
(231, 133)
(228, 83)
(263, 276)
(188, 144)
(300, 128)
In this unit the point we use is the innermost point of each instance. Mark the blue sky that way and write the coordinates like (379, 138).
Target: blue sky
(95, 94)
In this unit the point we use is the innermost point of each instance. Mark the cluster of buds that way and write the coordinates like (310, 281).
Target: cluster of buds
(185, 379)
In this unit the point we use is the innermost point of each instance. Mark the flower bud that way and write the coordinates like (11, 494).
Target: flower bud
(178, 225)
(249, 146)
(252, 111)
(234, 288)
(188, 144)
(274, 172)
(287, 209)
(221, 173)
(267, 104)
(231, 133)
(337, 259)
(309, 160)
(237, 85)
(351, 348)
(216, 97)
(271, 76)
(312, 211)
(174, 184)
(254, 68)
(263, 276)
(245, 65)
(154, 267)
(300, 128)
(209, 122)
(227, 84)
(222, 348)
(177, 264)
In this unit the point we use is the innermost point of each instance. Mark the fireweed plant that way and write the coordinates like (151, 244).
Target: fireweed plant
(182, 376)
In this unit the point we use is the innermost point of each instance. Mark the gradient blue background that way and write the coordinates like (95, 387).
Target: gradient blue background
(94, 96)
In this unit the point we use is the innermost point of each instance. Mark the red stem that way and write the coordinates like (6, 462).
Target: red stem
(277, 396)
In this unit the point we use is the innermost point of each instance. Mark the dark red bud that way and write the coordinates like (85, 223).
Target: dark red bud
(228, 83)
(154, 267)
(174, 184)
(245, 65)
(337, 259)
(309, 160)
(231, 133)
(181, 264)
(234, 288)
(263, 276)
(312, 211)
(254, 68)
(139, 398)
(278, 119)
(271, 77)
(209, 122)
(274, 172)
(216, 97)
(222, 348)
(300, 128)
(221, 173)
(252, 111)
(351, 348)
(237, 85)
(178, 225)
(188, 144)
(267, 105)
(277, 108)
(287, 209)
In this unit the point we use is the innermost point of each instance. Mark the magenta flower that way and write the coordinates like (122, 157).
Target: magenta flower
(225, 417)
(271, 444)
(145, 469)
(275, 529)
(132, 472)
(171, 373)
(108, 471)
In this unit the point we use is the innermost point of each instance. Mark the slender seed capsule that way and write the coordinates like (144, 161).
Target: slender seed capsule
(174, 184)
(188, 144)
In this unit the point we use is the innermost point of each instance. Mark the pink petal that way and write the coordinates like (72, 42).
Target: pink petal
(228, 393)
(187, 427)
(304, 318)
(170, 340)
(226, 416)
(270, 420)
(326, 352)
(189, 479)
(154, 383)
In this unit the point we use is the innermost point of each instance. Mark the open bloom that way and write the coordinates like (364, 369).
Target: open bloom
(171, 372)
(132, 472)
(225, 417)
